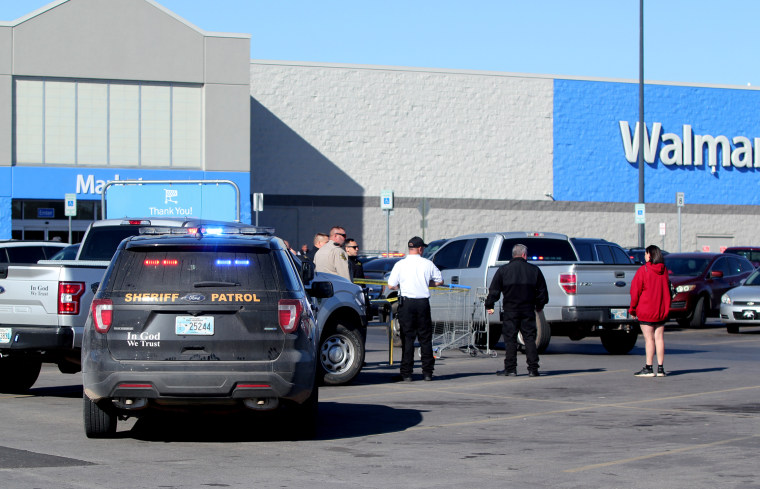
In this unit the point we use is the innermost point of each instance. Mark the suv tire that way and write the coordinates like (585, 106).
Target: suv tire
(98, 422)
(341, 354)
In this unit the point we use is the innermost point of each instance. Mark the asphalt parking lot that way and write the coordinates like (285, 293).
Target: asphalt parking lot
(587, 422)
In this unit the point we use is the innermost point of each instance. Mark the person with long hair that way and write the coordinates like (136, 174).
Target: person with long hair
(650, 303)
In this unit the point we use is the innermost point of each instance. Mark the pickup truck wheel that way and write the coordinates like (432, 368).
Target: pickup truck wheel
(18, 374)
(619, 342)
(341, 355)
(543, 334)
(98, 422)
(699, 315)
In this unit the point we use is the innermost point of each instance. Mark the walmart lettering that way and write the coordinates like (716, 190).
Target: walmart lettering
(687, 149)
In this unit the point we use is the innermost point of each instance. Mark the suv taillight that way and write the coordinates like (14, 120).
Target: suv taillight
(69, 297)
(102, 314)
(289, 312)
(568, 282)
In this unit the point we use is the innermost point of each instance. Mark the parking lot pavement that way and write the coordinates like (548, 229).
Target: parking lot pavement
(587, 422)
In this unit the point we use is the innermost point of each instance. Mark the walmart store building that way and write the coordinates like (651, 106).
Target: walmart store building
(97, 91)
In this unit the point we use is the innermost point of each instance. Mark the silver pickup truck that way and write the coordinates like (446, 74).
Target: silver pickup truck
(585, 298)
(43, 309)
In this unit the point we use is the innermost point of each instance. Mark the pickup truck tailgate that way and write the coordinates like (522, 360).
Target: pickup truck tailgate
(30, 296)
(603, 285)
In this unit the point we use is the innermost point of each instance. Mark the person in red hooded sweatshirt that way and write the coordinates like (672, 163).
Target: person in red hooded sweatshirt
(650, 303)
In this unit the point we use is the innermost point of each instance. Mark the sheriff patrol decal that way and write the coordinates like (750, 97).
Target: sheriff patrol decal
(171, 297)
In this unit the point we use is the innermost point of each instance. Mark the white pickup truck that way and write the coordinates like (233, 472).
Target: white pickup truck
(43, 309)
(585, 298)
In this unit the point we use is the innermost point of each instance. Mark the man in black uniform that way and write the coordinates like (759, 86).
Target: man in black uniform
(354, 265)
(524, 289)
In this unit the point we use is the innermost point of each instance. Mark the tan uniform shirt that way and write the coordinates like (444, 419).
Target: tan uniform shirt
(331, 258)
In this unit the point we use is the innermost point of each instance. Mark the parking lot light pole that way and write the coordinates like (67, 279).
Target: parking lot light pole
(642, 127)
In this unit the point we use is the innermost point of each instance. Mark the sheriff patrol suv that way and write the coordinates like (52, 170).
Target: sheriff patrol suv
(201, 317)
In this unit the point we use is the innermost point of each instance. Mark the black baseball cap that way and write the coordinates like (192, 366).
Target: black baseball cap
(416, 242)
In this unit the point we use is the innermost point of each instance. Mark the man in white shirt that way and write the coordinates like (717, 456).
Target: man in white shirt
(413, 276)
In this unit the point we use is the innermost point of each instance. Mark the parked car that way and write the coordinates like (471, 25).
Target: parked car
(595, 249)
(741, 306)
(751, 253)
(14, 251)
(67, 253)
(700, 280)
(637, 255)
(378, 269)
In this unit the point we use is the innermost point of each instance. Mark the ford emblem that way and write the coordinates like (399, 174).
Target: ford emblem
(193, 297)
(2, 290)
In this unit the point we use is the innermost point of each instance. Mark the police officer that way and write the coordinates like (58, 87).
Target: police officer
(413, 276)
(524, 289)
(354, 265)
(331, 258)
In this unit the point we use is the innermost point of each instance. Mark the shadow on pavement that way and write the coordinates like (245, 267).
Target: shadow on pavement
(336, 421)
(63, 391)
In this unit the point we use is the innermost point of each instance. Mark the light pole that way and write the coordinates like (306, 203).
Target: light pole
(642, 127)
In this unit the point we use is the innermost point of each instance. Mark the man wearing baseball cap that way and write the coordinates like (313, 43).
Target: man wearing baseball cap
(413, 276)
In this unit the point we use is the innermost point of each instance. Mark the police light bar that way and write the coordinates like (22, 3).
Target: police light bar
(214, 230)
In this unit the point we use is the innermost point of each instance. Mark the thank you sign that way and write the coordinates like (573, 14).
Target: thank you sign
(202, 199)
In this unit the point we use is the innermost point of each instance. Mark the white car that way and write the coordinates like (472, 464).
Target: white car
(740, 306)
(14, 251)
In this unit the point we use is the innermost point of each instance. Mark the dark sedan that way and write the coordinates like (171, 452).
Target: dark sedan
(700, 280)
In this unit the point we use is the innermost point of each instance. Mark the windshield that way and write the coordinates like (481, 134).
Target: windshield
(753, 279)
(686, 267)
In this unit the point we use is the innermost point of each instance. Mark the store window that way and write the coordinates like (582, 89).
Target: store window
(71, 122)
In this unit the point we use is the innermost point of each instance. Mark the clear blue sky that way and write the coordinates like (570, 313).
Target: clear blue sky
(691, 41)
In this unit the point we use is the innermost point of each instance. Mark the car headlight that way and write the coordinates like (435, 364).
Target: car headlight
(685, 288)
(725, 299)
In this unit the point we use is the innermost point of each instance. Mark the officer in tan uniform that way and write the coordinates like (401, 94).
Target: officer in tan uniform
(331, 258)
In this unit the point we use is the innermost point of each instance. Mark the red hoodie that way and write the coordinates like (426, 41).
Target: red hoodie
(650, 293)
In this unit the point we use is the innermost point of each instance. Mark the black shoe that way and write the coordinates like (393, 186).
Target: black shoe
(401, 378)
(511, 373)
(645, 372)
(427, 377)
(533, 373)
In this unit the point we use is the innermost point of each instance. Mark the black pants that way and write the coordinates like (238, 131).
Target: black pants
(415, 321)
(525, 323)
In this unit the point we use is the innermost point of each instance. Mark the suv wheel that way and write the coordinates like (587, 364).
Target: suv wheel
(18, 374)
(98, 422)
(341, 354)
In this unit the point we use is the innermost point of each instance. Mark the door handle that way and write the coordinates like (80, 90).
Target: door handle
(455, 279)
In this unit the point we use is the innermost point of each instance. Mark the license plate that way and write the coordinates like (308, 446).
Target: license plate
(5, 335)
(619, 313)
(749, 314)
(194, 325)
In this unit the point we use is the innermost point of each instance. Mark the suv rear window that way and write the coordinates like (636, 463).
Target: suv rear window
(181, 268)
(542, 249)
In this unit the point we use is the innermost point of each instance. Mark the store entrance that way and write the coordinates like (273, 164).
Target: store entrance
(53, 230)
